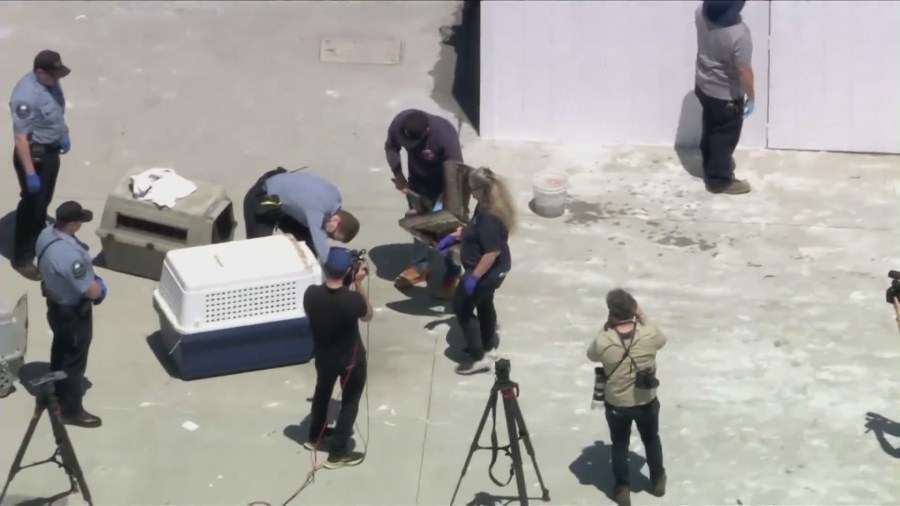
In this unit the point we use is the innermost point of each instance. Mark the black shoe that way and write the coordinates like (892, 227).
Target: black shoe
(27, 270)
(82, 419)
(10, 391)
(312, 444)
(344, 460)
(658, 486)
(622, 495)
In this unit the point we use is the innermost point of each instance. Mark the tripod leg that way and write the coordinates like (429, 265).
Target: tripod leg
(492, 401)
(69, 460)
(17, 462)
(526, 438)
(510, 408)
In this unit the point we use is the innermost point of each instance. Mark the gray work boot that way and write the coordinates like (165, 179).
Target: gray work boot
(736, 187)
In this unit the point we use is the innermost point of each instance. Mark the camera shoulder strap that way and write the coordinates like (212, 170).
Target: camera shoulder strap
(626, 355)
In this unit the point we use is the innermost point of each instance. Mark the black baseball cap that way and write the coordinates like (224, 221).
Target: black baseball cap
(414, 127)
(51, 62)
(71, 212)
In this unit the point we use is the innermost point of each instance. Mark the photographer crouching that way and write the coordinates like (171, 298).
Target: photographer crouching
(334, 312)
(626, 383)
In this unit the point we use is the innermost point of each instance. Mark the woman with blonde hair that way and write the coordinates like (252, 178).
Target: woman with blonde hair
(485, 256)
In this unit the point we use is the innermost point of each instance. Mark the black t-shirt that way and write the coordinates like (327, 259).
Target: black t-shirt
(334, 320)
(485, 234)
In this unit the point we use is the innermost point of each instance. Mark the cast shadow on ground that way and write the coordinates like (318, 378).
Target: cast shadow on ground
(36, 501)
(154, 342)
(594, 467)
(388, 261)
(7, 231)
(34, 370)
(487, 499)
(883, 427)
(456, 343)
(687, 135)
(299, 433)
(463, 39)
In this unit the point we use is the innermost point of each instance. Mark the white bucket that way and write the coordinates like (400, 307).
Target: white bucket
(550, 193)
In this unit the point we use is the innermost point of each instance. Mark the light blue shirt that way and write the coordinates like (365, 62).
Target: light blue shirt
(38, 110)
(311, 200)
(65, 265)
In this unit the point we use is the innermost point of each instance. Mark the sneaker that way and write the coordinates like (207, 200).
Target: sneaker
(344, 460)
(411, 277)
(475, 367)
(736, 187)
(82, 419)
(622, 494)
(493, 354)
(448, 288)
(311, 444)
(658, 486)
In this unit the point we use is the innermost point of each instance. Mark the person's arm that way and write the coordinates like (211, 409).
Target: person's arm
(392, 147)
(364, 309)
(448, 139)
(743, 56)
(23, 114)
(319, 237)
(81, 275)
(595, 349)
(658, 337)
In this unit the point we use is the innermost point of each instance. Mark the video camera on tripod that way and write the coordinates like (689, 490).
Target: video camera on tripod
(359, 259)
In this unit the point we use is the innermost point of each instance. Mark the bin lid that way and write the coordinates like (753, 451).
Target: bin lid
(222, 265)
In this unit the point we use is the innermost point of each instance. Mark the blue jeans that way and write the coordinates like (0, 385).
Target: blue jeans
(421, 255)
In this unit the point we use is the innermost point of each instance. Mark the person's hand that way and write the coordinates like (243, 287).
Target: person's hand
(469, 283)
(749, 105)
(362, 272)
(639, 312)
(32, 183)
(65, 144)
(401, 184)
(103, 289)
(444, 245)
(457, 234)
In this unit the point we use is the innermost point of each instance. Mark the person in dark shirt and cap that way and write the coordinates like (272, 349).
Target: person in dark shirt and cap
(430, 142)
(724, 87)
(334, 312)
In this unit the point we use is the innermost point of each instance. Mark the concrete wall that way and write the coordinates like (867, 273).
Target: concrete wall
(622, 72)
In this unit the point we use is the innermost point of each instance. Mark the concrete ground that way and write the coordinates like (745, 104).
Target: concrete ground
(779, 338)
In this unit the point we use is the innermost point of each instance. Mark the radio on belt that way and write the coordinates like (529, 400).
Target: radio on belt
(237, 306)
(137, 234)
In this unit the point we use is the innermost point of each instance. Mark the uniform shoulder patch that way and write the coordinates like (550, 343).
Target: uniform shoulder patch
(78, 269)
(23, 110)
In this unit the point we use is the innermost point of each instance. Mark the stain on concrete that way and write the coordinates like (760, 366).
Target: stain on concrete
(585, 213)
(685, 242)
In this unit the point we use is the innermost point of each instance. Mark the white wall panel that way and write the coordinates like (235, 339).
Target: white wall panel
(601, 71)
(835, 76)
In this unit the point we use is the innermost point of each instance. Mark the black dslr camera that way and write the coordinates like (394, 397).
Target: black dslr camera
(646, 379)
(501, 370)
(359, 257)
(893, 291)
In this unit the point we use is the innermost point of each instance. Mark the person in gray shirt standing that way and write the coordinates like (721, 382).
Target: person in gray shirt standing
(724, 86)
(38, 112)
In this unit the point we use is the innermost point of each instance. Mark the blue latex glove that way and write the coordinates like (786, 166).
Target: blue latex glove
(32, 183)
(66, 144)
(749, 105)
(469, 283)
(445, 244)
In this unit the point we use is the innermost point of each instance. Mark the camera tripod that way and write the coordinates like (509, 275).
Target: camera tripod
(47, 401)
(515, 427)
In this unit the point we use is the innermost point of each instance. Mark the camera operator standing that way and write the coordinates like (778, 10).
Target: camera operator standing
(627, 349)
(334, 313)
(485, 256)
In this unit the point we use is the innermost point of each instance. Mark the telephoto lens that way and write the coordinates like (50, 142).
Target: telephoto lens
(599, 388)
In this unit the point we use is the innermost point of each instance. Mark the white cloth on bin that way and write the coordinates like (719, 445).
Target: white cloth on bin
(163, 187)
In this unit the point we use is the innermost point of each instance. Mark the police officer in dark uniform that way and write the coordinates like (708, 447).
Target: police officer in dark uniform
(41, 135)
(71, 289)
(485, 256)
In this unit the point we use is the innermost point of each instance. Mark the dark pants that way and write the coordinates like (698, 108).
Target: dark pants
(647, 419)
(260, 220)
(481, 300)
(72, 334)
(353, 382)
(722, 123)
(31, 214)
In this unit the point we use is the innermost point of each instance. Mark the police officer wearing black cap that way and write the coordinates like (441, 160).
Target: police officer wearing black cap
(71, 289)
(38, 111)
